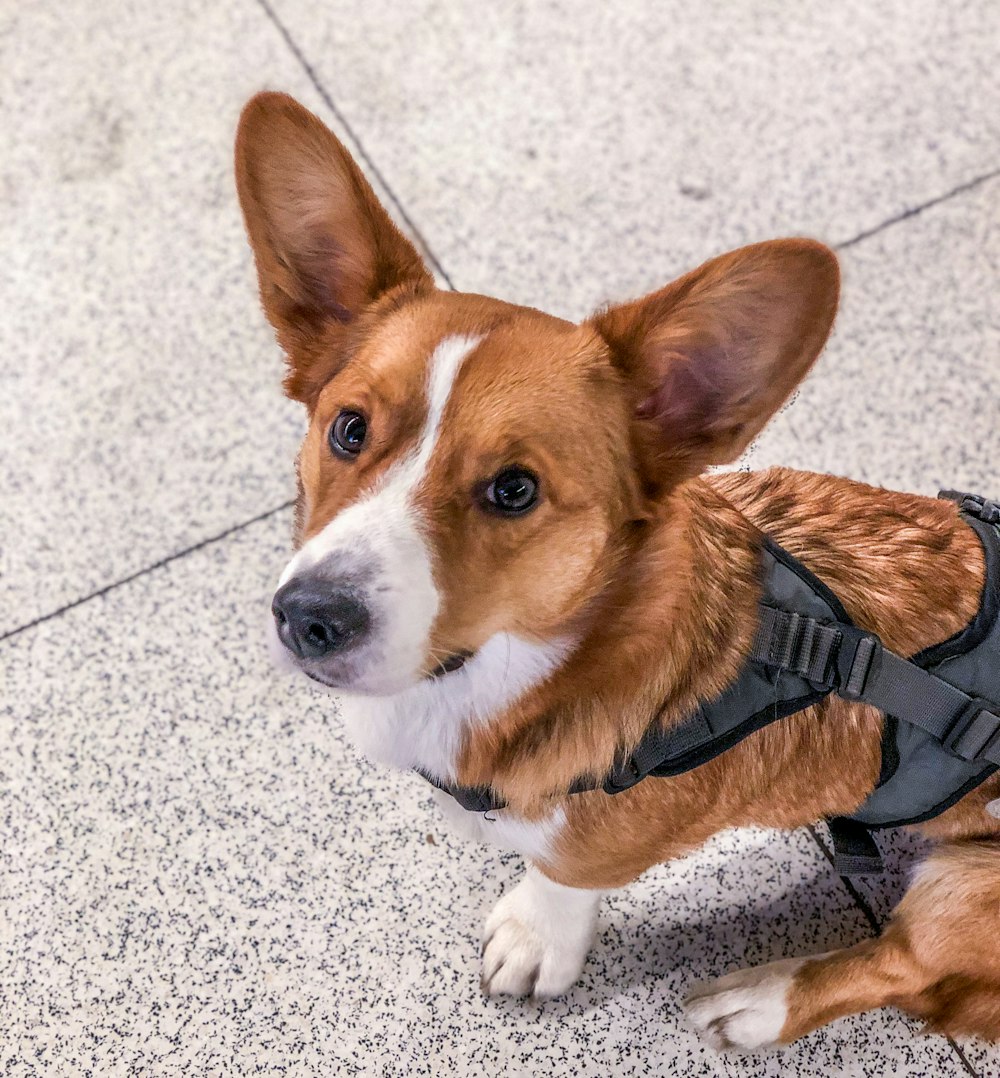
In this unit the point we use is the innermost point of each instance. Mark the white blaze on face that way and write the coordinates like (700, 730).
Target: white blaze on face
(380, 539)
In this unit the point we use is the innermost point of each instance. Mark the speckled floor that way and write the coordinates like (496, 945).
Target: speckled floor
(197, 875)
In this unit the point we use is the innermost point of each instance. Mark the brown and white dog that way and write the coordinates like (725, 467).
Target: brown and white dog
(510, 559)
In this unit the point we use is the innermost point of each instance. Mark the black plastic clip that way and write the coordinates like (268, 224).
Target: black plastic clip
(974, 731)
(975, 505)
(866, 653)
(623, 776)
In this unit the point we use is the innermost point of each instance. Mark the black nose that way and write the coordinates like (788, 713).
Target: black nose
(315, 620)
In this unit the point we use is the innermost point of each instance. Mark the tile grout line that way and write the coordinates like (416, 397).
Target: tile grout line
(200, 545)
(863, 905)
(960, 1051)
(432, 258)
(310, 72)
(915, 211)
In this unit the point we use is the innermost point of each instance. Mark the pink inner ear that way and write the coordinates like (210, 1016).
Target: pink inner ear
(691, 397)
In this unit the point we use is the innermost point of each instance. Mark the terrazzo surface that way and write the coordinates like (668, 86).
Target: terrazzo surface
(570, 153)
(197, 874)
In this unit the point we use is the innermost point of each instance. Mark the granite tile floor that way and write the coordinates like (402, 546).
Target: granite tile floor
(197, 874)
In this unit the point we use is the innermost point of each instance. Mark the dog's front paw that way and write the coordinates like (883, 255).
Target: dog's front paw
(746, 1009)
(537, 938)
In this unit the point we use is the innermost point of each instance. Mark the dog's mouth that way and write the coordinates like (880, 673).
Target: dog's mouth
(451, 664)
(447, 666)
(319, 678)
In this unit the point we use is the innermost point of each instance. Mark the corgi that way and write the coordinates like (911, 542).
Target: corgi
(511, 559)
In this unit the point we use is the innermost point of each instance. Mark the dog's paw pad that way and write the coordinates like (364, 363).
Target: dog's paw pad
(745, 1010)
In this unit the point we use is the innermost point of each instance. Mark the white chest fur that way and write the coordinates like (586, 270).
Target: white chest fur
(424, 726)
(534, 840)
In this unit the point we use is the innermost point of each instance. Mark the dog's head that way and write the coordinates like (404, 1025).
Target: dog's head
(471, 466)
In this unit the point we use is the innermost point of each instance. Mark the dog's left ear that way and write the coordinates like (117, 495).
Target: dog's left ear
(713, 356)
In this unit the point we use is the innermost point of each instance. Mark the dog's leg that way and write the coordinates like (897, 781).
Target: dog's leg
(939, 959)
(537, 937)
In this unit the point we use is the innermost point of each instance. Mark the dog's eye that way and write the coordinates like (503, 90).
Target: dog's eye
(513, 491)
(348, 433)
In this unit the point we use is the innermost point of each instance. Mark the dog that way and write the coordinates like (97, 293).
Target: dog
(512, 557)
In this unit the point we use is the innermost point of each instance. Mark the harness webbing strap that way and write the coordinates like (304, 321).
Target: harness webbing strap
(964, 724)
(794, 642)
(854, 850)
(857, 666)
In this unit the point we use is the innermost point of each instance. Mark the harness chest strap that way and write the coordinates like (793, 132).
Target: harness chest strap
(821, 655)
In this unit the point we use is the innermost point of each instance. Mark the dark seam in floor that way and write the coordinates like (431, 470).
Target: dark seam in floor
(373, 168)
(361, 151)
(873, 921)
(965, 1061)
(200, 545)
(914, 211)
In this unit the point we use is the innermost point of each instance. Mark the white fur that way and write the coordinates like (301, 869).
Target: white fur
(387, 531)
(537, 938)
(423, 725)
(746, 1009)
(993, 808)
(533, 839)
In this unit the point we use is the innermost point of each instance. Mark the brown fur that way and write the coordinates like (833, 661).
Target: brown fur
(648, 567)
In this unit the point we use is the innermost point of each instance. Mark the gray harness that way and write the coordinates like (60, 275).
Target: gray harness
(941, 736)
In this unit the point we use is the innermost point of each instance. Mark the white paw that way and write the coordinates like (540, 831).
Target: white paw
(746, 1009)
(537, 938)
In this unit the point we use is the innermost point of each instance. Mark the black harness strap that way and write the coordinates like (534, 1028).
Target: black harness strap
(854, 850)
(862, 669)
(858, 667)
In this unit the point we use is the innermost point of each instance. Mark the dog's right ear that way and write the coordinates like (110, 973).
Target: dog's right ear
(324, 246)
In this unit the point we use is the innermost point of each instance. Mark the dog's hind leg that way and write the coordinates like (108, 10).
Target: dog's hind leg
(938, 959)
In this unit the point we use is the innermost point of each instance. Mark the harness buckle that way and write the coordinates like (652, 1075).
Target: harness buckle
(866, 653)
(975, 505)
(788, 640)
(987, 511)
(974, 731)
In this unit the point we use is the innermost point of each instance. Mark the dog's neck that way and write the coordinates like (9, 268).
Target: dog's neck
(669, 630)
